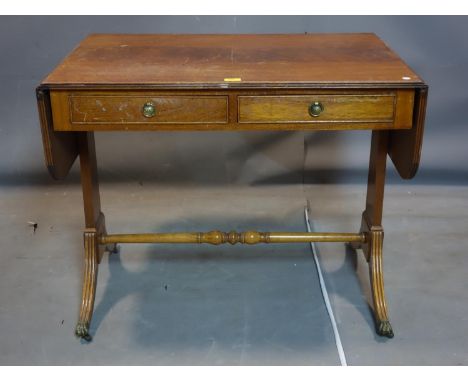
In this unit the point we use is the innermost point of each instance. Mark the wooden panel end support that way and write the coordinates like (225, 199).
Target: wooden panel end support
(95, 228)
(60, 148)
(405, 145)
(371, 227)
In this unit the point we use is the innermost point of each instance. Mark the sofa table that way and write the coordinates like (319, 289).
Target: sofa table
(121, 82)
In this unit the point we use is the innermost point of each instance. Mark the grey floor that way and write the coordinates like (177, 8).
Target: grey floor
(232, 305)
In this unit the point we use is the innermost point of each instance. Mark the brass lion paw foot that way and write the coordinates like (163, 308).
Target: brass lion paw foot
(82, 331)
(384, 329)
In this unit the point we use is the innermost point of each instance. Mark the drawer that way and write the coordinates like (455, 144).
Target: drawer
(147, 109)
(320, 108)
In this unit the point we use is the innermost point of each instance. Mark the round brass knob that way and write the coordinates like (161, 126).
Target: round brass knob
(315, 109)
(149, 110)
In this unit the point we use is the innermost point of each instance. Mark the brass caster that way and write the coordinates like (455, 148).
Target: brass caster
(82, 331)
(384, 329)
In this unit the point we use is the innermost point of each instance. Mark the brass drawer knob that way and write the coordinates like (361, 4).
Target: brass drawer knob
(149, 110)
(315, 109)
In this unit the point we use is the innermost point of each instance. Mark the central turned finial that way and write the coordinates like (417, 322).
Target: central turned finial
(233, 237)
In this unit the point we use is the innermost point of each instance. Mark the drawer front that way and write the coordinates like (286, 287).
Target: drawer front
(128, 110)
(327, 109)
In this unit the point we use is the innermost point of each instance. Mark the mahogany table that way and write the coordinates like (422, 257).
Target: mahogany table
(232, 82)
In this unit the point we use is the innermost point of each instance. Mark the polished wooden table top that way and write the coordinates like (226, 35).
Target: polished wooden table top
(207, 60)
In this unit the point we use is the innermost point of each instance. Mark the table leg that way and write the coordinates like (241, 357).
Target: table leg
(95, 226)
(372, 228)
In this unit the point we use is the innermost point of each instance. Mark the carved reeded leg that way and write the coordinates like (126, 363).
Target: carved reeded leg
(91, 250)
(383, 326)
(372, 227)
(95, 227)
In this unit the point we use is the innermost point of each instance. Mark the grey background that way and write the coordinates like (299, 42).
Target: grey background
(435, 47)
(236, 305)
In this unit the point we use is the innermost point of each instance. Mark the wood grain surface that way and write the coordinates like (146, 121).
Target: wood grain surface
(127, 109)
(336, 108)
(231, 109)
(194, 60)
